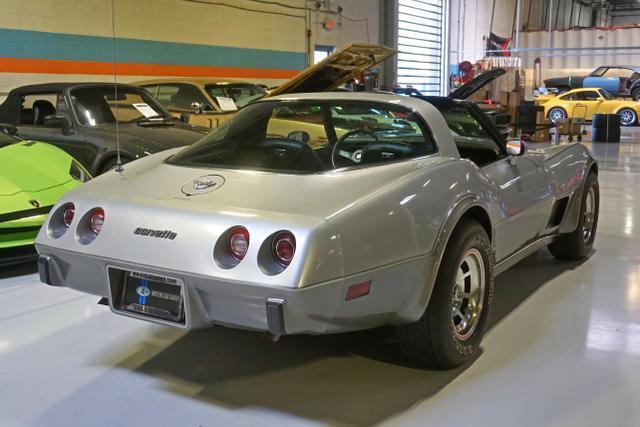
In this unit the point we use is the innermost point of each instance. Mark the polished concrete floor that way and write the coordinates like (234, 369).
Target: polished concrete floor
(564, 350)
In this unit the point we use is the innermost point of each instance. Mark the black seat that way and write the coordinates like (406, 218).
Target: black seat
(41, 109)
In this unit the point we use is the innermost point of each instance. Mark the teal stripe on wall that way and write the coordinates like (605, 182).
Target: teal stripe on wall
(42, 45)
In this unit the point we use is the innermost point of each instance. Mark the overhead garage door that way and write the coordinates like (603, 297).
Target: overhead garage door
(421, 43)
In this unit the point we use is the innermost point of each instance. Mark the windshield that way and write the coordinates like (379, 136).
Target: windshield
(606, 95)
(310, 137)
(242, 94)
(97, 105)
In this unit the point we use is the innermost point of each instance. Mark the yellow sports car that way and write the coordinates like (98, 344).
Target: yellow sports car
(584, 103)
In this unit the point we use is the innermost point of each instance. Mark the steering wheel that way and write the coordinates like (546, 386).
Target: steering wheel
(355, 156)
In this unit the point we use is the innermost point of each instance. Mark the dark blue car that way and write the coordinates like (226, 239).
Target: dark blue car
(618, 80)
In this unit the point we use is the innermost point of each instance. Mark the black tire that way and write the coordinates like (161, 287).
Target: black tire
(557, 110)
(631, 113)
(635, 94)
(433, 339)
(577, 245)
(111, 164)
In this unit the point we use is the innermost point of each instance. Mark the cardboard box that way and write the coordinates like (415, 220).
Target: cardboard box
(568, 128)
(513, 112)
(504, 98)
(515, 98)
(542, 135)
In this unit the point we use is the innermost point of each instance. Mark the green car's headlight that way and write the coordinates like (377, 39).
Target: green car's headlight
(78, 173)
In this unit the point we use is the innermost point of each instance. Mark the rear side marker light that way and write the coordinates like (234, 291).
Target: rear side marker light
(357, 291)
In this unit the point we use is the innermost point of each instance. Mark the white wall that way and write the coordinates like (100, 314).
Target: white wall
(471, 21)
(560, 62)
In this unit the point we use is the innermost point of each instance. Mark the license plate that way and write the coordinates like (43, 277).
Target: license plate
(152, 295)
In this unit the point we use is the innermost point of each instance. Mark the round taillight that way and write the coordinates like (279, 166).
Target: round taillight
(238, 242)
(96, 220)
(284, 247)
(68, 214)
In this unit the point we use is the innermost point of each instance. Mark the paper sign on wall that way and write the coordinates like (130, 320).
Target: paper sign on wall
(145, 110)
(226, 104)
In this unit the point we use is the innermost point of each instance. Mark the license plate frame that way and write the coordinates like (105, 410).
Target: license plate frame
(158, 288)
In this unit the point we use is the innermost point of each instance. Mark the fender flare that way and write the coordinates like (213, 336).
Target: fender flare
(572, 216)
(415, 304)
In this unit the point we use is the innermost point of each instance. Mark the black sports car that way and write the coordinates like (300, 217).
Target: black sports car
(81, 118)
(618, 80)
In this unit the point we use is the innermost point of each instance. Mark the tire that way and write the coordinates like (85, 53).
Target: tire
(435, 339)
(635, 94)
(111, 164)
(558, 112)
(628, 117)
(578, 244)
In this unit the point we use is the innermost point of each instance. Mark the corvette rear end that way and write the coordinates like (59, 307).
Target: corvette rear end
(188, 256)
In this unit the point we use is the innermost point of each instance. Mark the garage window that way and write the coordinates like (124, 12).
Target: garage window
(421, 45)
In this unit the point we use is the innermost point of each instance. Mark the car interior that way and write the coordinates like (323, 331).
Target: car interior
(35, 108)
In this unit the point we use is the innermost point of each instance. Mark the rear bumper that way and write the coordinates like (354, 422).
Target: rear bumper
(316, 309)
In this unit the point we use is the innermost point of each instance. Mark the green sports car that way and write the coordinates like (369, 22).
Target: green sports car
(33, 176)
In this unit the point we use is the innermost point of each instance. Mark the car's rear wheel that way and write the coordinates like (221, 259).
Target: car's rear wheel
(450, 331)
(578, 244)
(628, 117)
(635, 94)
(557, 113)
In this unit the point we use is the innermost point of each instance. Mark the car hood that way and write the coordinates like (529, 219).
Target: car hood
(150, 139)
(559, 81)
(336, 69)
(30, 166)
(471, 87)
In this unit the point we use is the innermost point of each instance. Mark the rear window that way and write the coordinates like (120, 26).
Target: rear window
(311, 137)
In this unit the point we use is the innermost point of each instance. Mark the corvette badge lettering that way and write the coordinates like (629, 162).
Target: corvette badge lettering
(160, 234)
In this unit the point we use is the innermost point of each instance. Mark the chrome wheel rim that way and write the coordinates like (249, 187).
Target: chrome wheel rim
(627, 117)
(556, 114)
(468, 295)
(589, 215)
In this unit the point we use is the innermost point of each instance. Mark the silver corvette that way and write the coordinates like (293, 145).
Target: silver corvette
(325, 213)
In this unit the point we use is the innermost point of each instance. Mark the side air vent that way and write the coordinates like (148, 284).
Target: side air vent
(558, 211)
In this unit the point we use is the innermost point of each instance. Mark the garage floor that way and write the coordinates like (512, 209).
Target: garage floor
(564, 350)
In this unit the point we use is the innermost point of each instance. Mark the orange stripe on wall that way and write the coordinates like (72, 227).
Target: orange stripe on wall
(55, 66)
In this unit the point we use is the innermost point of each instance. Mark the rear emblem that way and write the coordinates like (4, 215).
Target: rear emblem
(143, 291)
(34, 203)
(200, 184)
(203, 184)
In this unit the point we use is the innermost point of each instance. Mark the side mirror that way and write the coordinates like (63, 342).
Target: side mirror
(197, 107)
(516, 147)
(8, 129)
(56, 121)
(300, 136)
